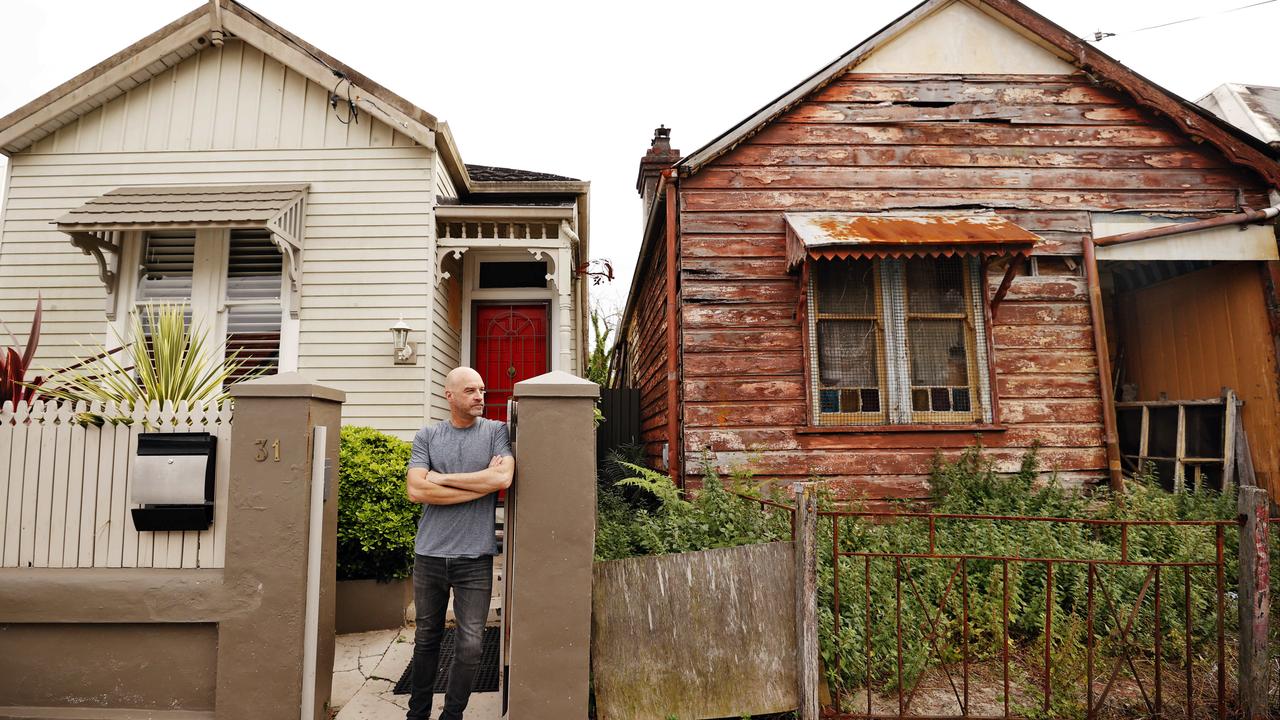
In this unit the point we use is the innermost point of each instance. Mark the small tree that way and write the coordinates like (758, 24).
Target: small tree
(602, 327)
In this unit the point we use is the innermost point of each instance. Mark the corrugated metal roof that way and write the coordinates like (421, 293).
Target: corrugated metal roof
(182, 206)
(833, 235)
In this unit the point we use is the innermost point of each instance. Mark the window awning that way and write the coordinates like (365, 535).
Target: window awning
(189, 206)
(97, 226)
(839, 235)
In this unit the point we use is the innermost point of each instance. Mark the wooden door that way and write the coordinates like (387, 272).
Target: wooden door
(510, 345)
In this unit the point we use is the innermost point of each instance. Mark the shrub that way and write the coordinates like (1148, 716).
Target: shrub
(667, 522)
(376, 520)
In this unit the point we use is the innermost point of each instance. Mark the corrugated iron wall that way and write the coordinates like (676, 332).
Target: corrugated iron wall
(1189, 337)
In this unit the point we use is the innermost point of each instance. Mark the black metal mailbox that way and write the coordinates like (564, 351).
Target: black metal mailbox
(173, 481)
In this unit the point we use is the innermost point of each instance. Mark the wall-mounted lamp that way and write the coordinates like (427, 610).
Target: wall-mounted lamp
(405, 350)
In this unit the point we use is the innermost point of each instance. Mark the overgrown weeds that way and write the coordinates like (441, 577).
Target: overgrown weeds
(1003, 585)
(927, 599)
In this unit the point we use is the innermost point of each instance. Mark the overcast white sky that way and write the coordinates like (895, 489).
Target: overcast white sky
(576, 88)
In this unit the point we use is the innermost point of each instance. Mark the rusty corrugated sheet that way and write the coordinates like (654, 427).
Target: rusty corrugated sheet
(182, 206)
(831, 235)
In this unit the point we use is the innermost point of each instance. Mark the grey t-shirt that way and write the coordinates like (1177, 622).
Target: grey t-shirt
(465, 529)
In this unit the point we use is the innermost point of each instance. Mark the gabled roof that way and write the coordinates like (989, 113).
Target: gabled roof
(1195, 121)
(1252, 108)
(183, 38)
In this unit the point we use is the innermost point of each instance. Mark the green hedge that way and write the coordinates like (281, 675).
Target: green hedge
(376, 521)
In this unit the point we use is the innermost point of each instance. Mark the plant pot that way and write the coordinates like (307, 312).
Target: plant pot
(364, 605)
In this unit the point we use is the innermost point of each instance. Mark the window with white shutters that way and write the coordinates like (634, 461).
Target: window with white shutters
(254, 268)
(230, 279)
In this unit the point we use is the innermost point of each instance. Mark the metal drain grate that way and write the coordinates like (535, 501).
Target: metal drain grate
(486, 673)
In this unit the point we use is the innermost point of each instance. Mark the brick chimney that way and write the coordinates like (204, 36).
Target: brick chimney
(659, 157)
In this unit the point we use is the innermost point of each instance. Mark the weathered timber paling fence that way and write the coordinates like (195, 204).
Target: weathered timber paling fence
(65, 486)
(1159, 579)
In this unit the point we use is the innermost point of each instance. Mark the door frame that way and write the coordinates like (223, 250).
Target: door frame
(472, 294)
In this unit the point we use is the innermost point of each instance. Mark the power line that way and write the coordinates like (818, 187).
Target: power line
(1100, 35)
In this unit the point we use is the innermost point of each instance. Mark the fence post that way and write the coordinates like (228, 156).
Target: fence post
(550, 525)
(275, 652)
(806, 601)
(1255, 567)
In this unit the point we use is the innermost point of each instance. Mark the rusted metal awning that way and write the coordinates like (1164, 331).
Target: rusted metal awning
(834, 235)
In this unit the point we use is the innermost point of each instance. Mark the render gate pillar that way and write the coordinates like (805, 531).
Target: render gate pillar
(550, 542)
(275, 655)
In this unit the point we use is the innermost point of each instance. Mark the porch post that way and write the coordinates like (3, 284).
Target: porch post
(564, 286)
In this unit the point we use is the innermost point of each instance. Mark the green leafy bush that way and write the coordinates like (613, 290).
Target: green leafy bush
(376, 521)
(667, 522)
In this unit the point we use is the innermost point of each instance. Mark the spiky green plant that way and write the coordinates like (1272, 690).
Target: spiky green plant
(178, 364)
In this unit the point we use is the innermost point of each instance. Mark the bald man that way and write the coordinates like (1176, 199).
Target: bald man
(455, 471)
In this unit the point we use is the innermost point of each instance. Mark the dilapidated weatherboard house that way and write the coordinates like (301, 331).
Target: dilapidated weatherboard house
(897, 256)
(219, 162)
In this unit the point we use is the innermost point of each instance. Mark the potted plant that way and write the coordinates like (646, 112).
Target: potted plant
(376, 527)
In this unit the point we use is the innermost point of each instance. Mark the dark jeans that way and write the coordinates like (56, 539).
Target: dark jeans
(471, 580)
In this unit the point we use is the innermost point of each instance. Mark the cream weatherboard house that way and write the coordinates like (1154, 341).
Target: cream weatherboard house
(301, 209)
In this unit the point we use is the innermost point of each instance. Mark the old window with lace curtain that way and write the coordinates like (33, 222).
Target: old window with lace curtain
(897, 341)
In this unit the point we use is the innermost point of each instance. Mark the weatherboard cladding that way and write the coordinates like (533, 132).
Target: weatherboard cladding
(204, 122)
(1042, 151)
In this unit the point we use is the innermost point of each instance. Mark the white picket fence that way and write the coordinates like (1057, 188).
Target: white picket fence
(65, 487)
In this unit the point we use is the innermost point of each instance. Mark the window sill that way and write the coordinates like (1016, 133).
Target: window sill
(854, 429)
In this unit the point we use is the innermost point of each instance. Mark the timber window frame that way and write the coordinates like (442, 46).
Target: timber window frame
(896, 329)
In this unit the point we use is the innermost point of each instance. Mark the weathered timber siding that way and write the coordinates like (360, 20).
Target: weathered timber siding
(233, 116)
(1040, 150)
(648, 354)
(716, 610)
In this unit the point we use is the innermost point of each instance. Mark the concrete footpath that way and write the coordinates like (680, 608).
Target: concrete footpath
(366, 667)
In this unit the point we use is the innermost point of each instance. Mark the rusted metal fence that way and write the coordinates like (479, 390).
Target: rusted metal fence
(1176, 645)
(1155, 577)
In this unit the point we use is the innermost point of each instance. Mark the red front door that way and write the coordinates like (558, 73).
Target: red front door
(510, 346)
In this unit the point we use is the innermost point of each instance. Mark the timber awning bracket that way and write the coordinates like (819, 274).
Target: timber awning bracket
(1010, 272)
(100, 245)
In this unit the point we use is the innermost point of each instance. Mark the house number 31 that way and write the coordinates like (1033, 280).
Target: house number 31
(262, 450)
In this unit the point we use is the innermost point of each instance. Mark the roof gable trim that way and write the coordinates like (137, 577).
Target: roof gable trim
(1194, 121)
(96, 80)
(20, 128)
